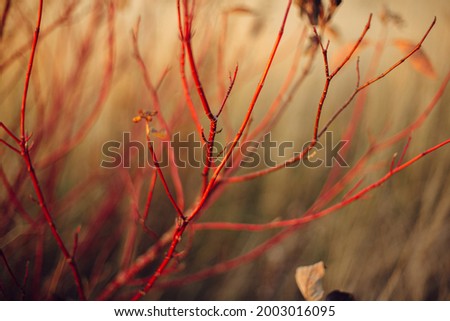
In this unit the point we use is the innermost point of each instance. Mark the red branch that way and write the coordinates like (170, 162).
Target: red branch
(305, 151)
(246, 120)
(289, 225)
(28, 75)
(163, 180)
(329, 77)
(24, 148)
(182, 225)
(157, 106)
(314, 216)
(91, 119)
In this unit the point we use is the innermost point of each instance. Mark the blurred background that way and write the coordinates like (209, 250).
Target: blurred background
(87, 86)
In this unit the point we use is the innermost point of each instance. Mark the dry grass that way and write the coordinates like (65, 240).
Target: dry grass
(392, 245)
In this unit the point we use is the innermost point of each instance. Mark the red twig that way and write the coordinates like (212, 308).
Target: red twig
(419, 120)
(10, 146)
(141, 262)
(278, 105)
(226, 266)
(353, 50)
(91, 119)
(29, 164)
(402, 156)
(14, 199)
(329, 77)
(4, 16)
(316, 215)
(289, 225)
(169, 255)
(28, 75)
(227, 94)
(331, 192)
(148, 202)
(304, 152)
(246, 120)
(11, 273)
(184, 82)
(163, 180)
(187, 35)
(50, 28)
(179, 230)
(10, 133)
(157, 106)
(221, 45)
(353, 189)
(380, 76)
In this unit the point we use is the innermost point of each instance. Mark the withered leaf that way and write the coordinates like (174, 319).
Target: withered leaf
(309, 281)
(335, 3)
(316, 12)
(313, 9)
(332, 7)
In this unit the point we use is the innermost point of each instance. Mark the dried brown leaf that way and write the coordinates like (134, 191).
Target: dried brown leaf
(419, 60)
(316, 11)
(313, 9)
(332, 7)
(309, 281)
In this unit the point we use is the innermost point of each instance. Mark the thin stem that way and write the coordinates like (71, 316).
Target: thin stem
(159, 271)
(187, 35)
(300, 156)
(14, 199)
(227, 94)
(184, 82)
(178, 232)
(4, 142)
(105, 87)
(148, 202)
(328, 76)
(141, 262)
(29, 164)
(226, 266)
(28, 74)
(246, 119)
(405, 148)
(163, 180)
(278, 104)
(355, 47)
(315, 215)
(10, 133)
(176, 180)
